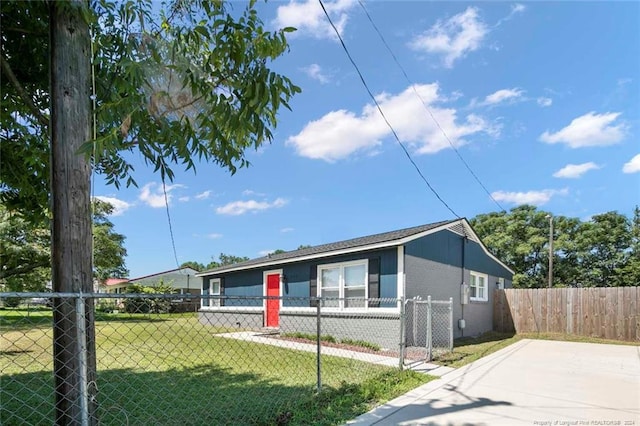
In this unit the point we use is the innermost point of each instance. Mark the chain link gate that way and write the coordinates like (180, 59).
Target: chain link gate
(428, 328)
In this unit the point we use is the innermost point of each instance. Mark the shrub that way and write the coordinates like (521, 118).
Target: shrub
(12, 302)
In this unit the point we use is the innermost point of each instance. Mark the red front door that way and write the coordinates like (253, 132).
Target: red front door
(273, 305)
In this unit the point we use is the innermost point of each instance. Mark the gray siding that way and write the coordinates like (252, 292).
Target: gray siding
(383, 330)
(446, 247)
(252, 320)
(433, 267)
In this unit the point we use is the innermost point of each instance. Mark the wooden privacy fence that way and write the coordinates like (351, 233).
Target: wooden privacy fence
(605, 312)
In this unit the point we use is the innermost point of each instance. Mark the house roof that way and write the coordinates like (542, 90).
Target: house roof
(116, 281)
(371, 242)
(178, 270)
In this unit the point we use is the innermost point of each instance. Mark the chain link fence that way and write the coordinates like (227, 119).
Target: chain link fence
(137, 360)
(429, 328)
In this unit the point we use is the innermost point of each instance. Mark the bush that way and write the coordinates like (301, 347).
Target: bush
(12, 302)
(106, 306)
(137, 305)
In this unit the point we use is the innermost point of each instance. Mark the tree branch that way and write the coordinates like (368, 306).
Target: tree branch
(19, 270)
(6, 68)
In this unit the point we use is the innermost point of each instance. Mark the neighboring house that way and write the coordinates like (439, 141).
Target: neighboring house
(114, 285)
(183, 280)
(442, 260)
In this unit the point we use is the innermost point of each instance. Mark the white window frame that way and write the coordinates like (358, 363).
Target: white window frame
(473, 283)
(212, 303)
(341, 283)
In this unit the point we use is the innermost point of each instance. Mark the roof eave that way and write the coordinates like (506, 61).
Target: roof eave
(367, 247)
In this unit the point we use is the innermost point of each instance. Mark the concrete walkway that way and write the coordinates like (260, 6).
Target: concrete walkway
(251, 336)
(532, 382)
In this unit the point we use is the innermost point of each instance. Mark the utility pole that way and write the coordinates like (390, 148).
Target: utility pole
(550, 250)
(71, 270)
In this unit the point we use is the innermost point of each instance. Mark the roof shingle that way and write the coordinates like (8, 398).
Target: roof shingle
(331, 247)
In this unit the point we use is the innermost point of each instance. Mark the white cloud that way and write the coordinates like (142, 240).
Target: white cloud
(573, 171)
(632, 166)
(453, 38)
(249, 192)
(184, 199)
(203, 195)
(517, 8)
(544, 102)
(502, 96)
(152, 195)
(590, 129)
(285, 230)
(237, 208)
(536, 198)
(340, 133)
(314, 71)
(214, 236)
(119, 206)
(308, 17)
(265, 252)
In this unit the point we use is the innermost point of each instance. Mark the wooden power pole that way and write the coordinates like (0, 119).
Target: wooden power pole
(70, 126)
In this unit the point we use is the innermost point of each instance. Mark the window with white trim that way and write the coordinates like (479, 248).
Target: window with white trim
(478, 286)
(343, 280)
(211, 287)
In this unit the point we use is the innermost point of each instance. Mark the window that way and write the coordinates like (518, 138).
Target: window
(343, 281)
(215, 291)
(211, 287)
(478, 289)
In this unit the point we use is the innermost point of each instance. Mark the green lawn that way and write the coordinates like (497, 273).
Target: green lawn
(171, 370)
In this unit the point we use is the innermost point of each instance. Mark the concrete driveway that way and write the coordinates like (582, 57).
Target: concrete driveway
(532, 382)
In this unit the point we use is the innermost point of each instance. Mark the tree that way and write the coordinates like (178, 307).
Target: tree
(25, 250)
(519, 238)
(193, 265)
(228, 259)
(196, 86)
(109, 250)
(223, 260)
(180, 85)
(25, 256)
(604, 251)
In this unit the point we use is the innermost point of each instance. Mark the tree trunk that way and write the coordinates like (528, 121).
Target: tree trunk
(71, 225)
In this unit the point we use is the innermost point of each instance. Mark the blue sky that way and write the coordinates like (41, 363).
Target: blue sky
(542, 101)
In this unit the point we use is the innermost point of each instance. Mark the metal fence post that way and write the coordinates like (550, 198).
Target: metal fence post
(318, 353)
(429, 331)
(82, 359)
(402, 331)
(451, 324)
(415, 320)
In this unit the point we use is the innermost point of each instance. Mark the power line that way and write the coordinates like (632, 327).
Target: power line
(424, 104)
(344, 47)
(173, 241)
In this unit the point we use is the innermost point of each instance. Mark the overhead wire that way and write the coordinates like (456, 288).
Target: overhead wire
(173, 241)
(93, 171)
(375, 101)
(426, 107)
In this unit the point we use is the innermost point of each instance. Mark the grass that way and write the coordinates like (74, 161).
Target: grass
(170, 369)
(330, 339)
(469, 349)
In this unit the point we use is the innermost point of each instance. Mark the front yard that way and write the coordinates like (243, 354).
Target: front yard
(170, 369)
